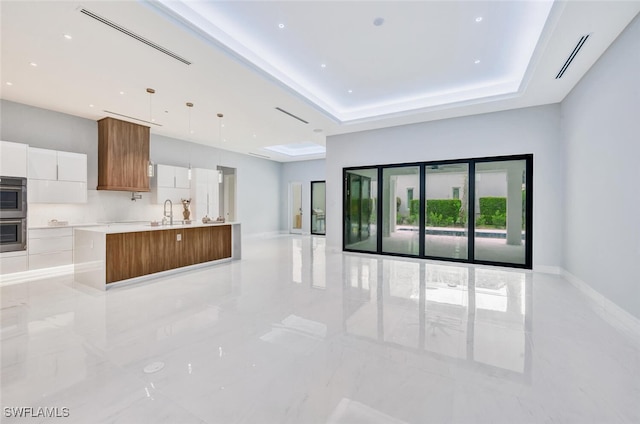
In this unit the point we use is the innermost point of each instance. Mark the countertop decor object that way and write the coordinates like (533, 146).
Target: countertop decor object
(56, 223)
(186, 212)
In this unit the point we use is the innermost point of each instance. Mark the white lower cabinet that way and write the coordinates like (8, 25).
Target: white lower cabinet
(50, 247)
(11, 262)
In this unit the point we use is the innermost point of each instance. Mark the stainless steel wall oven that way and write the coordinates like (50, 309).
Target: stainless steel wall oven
(13, 214)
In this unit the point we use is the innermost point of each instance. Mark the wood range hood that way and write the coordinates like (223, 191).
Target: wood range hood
(123, 155)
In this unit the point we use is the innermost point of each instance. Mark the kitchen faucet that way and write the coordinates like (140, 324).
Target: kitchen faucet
(170, 216)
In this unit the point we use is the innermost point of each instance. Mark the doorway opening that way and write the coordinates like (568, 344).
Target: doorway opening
(318, 207)
(228, 194)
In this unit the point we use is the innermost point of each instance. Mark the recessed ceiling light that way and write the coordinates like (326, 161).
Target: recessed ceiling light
(90, 105)
(280, 26)
(122, 92)
(35, 65)
(350, 91)
(324, 65)
(479, 19)
(254, 136)
(67, 36)
(477, 61)
(9, 83)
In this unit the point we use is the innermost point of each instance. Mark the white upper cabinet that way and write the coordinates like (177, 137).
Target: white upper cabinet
(172, 176)
(13, 159)
(53, 165)
(171, 182)
(165, 176)
(72, 167)
(43, 164)
(182, 178)
(57, 177)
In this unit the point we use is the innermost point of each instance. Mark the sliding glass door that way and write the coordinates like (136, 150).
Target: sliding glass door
(360, 198)
(500, 212)
(468, 210)
(446, 211)
(401, 210)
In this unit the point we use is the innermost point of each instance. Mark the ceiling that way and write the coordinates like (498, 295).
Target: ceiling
(291, 73)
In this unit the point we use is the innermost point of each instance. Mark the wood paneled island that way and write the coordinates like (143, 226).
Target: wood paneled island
(112, 254)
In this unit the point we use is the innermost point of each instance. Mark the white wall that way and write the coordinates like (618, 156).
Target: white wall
(531, 130)
(302, 172)
(601, 132)
(258, 180)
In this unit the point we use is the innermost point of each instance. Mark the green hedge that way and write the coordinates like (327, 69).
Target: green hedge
(493, 211)
(443, 212)
(414, 208)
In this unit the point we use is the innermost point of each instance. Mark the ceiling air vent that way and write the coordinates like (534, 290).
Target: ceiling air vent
(259, 156)
(135, 36)
(573, 54)
(131, 117)
(291, 115)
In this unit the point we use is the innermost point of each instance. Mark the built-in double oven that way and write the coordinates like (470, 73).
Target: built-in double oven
(13, 214)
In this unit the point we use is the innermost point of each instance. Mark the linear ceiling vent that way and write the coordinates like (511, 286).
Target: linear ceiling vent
(573, 54)
(134, 35)
(259, 156)
(131, 117)
(291, 115)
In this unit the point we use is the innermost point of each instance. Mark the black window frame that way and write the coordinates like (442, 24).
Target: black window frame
(471, 163)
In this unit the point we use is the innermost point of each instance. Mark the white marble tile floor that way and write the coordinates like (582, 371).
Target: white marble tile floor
(293, 333)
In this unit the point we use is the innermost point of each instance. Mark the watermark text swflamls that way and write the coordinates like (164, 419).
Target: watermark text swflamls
(39, 412)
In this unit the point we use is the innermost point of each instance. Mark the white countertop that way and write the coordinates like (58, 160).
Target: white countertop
(71, 225)
(137, 227)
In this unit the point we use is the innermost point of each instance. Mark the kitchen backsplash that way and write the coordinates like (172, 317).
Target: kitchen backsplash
(101, 206)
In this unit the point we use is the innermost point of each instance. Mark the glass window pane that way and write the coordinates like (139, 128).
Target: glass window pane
(446, 210)
(360, 209)
(499, 211)
(400, 218)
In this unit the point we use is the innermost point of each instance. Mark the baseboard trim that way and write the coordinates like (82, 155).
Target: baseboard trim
(548, 269)
(613, 314)
(264, 235)
(35, 274)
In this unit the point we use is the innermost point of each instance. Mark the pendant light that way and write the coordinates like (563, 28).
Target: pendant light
(189, 105)
(151, 92)
(220, 116)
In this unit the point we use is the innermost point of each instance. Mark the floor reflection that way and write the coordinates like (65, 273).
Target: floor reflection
(459, 313)
(294, 334)
(308, 261)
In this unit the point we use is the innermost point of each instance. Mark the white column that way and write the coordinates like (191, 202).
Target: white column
(514, 204)
(393, 216)
(387, 207)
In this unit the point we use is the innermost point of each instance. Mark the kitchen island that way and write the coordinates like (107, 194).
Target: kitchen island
(104, 256)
